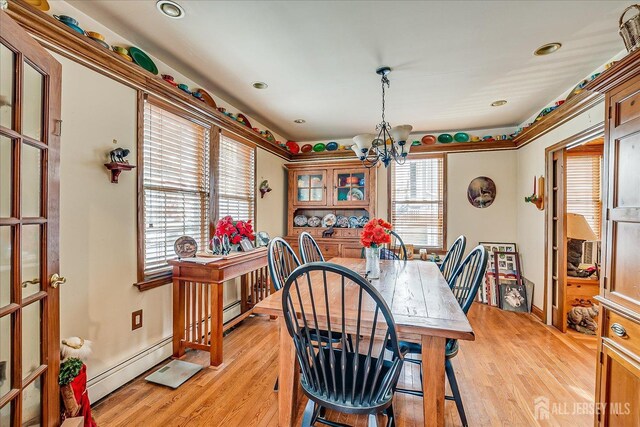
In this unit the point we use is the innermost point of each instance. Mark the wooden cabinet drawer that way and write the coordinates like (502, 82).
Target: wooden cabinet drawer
(351, 252)
(623, 331)
(329, 250)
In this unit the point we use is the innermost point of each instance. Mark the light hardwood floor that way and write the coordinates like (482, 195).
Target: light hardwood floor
(514, 360)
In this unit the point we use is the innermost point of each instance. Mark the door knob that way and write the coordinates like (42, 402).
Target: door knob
(57, 280)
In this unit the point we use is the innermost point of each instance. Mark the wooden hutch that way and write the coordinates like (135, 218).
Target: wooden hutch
(341, 188)
(618, 369)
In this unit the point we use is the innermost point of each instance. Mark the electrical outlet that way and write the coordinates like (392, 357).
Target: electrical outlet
(136, 320)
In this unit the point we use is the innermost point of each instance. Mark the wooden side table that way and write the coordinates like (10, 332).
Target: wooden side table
(198, 301)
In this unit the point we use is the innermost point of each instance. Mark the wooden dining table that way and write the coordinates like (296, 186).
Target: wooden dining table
(425, 311)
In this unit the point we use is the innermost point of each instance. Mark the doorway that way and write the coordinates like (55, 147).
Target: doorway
(30, 81)
(573, 232)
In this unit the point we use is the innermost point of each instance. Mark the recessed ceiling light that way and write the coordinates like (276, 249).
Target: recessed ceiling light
(498, 103)
(260, 85)
(300, 121)
(170, 9)
(547, 49)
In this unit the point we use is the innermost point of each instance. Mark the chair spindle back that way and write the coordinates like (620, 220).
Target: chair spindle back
(309, 249)
(452, 259)
(282, 261)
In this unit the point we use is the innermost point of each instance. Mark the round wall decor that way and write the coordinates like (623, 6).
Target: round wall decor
(481, 192)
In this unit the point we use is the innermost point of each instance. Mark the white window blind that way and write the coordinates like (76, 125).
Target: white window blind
(236, 180)
(417, 201)
(583, 188)
(175, 185)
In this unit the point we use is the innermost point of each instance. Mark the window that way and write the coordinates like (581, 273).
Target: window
(583, 187)
(236, 180)
(417, 201)
(175, 185)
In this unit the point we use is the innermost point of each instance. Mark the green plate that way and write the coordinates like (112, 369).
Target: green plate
(319, 147)
(141, 58)
(445, 138)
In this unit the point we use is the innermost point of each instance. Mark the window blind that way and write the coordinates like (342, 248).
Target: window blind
(236, 180)
(175, 185)
(583, 188)
(417, 201)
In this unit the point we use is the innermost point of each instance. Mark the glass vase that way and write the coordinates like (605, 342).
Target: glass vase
(372, 256)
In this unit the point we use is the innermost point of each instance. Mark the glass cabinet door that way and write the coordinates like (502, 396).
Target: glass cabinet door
(310, 188)
(350, 187)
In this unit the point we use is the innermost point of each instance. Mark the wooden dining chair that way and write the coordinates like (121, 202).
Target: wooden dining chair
(395, 250)
(357, 379)
(309, 249)
(454, 256)
(464, 284)
(282, 260)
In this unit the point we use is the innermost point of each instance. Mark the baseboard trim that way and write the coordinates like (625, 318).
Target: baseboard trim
(115, 377)
(537, 311)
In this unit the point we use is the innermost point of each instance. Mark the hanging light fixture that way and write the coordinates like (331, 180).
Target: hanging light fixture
(390, 143)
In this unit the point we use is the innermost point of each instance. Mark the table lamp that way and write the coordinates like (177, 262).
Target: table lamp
(578, 230)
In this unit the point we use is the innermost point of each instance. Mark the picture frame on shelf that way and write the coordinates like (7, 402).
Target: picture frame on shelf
(488, 292)
(246, 245)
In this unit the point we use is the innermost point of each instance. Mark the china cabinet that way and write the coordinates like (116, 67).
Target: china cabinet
(340, 193)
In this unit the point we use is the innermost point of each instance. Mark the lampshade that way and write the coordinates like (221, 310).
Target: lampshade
(578, 228)
(359, 154)
(400, 134)
(364, 142)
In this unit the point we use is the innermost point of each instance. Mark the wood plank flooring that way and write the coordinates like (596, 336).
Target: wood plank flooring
(514, 360)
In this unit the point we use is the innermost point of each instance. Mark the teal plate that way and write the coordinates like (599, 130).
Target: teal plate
(74, 28)
(141, 58)
(101, 43)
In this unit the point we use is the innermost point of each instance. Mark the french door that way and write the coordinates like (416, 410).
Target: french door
(29, 194)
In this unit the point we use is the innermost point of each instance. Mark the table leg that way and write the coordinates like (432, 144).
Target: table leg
(433, 383)
(288, 378)
(178, 319)
(216, 324)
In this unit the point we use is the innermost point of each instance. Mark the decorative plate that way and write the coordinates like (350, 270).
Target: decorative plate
(43, 5)
(207, 98)
(363, 220)
(428, 140)
(244, 121)
(101, 43)
(354, 222)
(300, 220)
(355, 194)
(332, 146)
(461, 137)
(141, 58)
(74, 27)
(329, 220)
(314, 221)
(262, 238)
(342, 221)
(269, 135)
(445, 138)
(306, 148)
(293, 147)
(125, 56)
(185, 247)
(319, 147)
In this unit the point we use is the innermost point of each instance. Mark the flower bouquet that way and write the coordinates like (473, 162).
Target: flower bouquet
(234, 230)
(375, 233)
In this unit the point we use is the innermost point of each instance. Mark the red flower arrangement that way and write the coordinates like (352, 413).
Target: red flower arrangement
(375, 233)
(236, 230)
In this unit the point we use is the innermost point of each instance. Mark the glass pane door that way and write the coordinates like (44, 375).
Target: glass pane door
(29, 335)
(350, 187)
(310, 188)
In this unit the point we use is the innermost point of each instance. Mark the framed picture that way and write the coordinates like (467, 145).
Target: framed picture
(488, 290)
(246, 245)
(513, 297)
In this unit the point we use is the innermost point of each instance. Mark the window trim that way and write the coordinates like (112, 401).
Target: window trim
(146, 283)
(420, 156)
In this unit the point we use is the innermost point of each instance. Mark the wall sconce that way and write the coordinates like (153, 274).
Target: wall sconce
(537, 198)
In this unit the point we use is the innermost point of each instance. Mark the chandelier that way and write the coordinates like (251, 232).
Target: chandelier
(390, 143)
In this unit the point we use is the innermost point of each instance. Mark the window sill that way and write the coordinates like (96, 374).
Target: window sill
(156, 282)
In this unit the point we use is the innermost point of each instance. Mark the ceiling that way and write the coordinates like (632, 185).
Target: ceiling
(450, 60)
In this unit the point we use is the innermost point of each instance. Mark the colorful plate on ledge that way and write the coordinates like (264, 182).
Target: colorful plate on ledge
(141, 58)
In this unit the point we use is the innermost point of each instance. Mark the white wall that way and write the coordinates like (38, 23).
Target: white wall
(98, 237)
(496, 223)
(530, 221)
